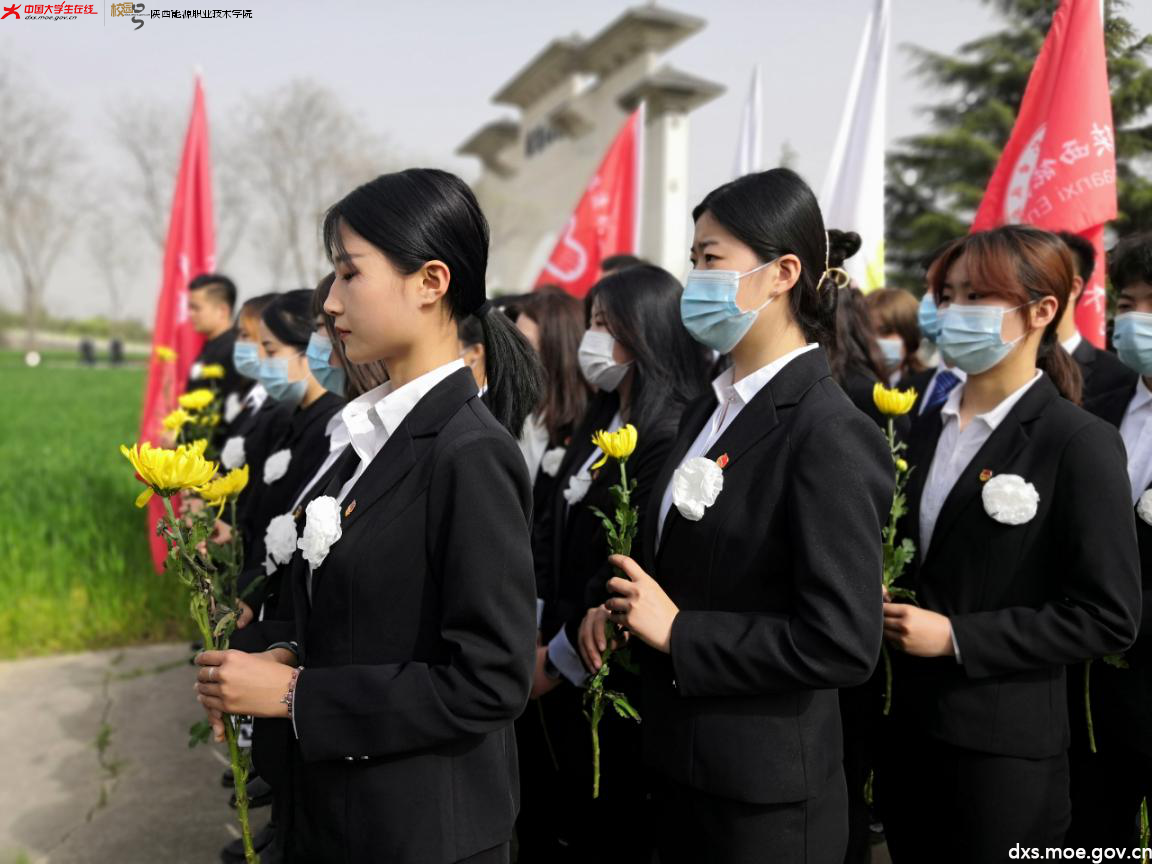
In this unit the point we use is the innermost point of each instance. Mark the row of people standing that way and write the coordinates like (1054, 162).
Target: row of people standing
(393, 667)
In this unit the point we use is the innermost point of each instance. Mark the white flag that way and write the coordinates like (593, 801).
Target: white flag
(853, 196)
(750, 147)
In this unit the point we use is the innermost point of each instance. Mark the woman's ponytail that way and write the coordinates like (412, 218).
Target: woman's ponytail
(514, 375)
(1059, 365)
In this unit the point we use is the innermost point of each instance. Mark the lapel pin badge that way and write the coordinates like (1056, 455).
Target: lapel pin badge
(348, 510)
(296, 513)
(985, 475)
(722, 461)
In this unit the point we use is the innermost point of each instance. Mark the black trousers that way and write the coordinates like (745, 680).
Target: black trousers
(696, 828)
(1107, 788)
(944, 804)
(860, 714)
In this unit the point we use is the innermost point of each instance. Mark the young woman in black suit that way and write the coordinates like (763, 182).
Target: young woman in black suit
(1108, 785)
(415, 625)
(755, 604)
(1020, 509)
(286, 326)
(647, 369)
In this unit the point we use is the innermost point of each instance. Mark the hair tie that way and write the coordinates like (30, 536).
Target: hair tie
(483, 309)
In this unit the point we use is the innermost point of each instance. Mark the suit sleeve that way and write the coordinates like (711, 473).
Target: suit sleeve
(479, 551)
(838, 497)
(1096, 598)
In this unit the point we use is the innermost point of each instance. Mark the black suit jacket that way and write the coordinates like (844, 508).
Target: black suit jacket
(1024, 600)
(1121, 698)
(1103, 371)
(305, 437)
(417, 643)
(260, 429)
(779, 591)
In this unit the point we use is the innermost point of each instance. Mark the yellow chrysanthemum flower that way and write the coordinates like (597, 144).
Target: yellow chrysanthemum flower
(176, 421)
(197, 400)
(212, 371)
(166, 354)
(195, 448)
(615, 445)
(893, 402)
(167, 472)
(221, 490)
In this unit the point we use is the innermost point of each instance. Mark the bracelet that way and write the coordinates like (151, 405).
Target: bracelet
(289, 698)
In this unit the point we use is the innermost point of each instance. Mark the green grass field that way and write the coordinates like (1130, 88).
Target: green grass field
(75, 571)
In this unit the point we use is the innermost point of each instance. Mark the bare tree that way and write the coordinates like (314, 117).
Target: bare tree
(39, 186)
(150, 135)
(114, 253)
(301, 151)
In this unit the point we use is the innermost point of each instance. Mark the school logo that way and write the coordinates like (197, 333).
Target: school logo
(129, 11)
(14, 9)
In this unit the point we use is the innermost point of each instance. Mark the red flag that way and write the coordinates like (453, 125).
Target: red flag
(603, 223)
(1058, 170)
(190, 251)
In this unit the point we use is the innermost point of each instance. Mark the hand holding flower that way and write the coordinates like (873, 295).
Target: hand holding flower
(641, 605)
(235, 682)
(916, 631)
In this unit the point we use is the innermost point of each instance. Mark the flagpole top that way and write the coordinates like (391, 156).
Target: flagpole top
(198, 71)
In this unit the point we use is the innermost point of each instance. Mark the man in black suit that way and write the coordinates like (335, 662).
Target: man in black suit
(211, 299)
(1103, 372)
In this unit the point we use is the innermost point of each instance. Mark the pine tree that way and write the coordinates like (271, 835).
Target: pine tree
(936, 180)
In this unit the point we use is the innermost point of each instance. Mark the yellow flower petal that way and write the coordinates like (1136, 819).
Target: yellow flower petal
(891, 401)
(213, 371)
(166, 354)
(603, 461)
(197, 400)
(144, 497)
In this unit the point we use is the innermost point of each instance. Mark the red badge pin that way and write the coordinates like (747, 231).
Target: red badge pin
(722, 460)
(985, 475)
(348, 510)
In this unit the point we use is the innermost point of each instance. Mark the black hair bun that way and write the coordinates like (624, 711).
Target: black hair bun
(842, 245)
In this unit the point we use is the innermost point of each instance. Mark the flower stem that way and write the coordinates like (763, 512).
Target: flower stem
(1088, 706)
(240, 776)
(887, 679)
(1144, 824)
(596, 745)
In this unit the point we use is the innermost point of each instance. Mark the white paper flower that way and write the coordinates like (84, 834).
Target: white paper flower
(321, 530)
(1010, 499)
(695, 487)
(550, 464)
(232, 407)
(196, 370)
(232, 453)
(276, 465)
(578, 485)
(1144, 507)
(279, 541)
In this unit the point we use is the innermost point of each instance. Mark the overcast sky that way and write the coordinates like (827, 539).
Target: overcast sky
(423, 73)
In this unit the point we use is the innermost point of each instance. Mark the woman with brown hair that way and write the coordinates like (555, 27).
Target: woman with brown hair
(1019, 573)
(895, 313)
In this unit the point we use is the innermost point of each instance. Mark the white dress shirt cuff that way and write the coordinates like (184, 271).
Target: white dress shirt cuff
(955, 644)
(565, 658)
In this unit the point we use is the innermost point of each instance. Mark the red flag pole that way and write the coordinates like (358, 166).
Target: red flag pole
(1058, 170)
(189, 251)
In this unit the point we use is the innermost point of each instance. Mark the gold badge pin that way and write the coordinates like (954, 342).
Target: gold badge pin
(348, 510)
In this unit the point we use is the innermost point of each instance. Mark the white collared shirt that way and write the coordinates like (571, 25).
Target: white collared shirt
(959, 373)
(338, 439)
(372, 418)
(255, 397)
(955, 451)
(1136, 430)
(1072, 342)
(533, 442)
(731, 397)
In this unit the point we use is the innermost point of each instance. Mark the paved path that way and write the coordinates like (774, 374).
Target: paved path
(95, 767)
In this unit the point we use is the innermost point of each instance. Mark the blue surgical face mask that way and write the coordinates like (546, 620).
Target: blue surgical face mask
(274, 376)
(246, 359)
(1133, 339)
(970, 336)
(893, 352)
(319, 354)
(709, 311)
(929, 317)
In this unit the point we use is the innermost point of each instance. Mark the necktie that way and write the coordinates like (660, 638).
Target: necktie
(945, 383)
